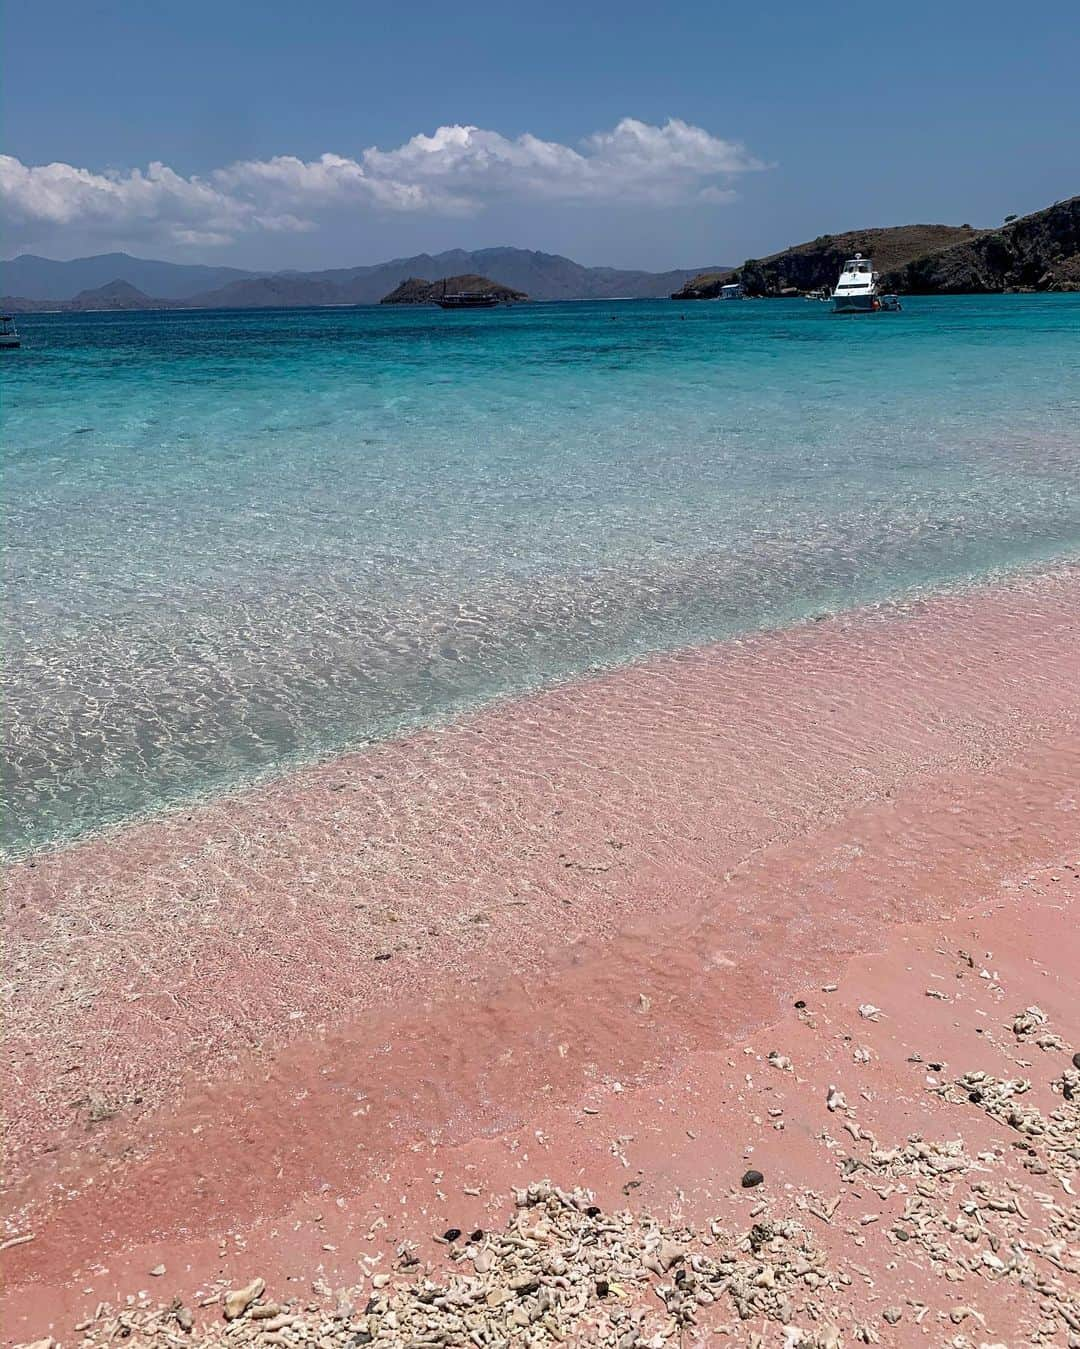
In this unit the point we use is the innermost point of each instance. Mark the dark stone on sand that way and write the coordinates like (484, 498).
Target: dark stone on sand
(602, 1286)
(800, 1005)
(452, 1234)
(384, 955)
(974, 1097)
(478, 1235)
(361, 1337)
(751, 1178)
(1076, 1060)
(935, 1067)
(593, 1211)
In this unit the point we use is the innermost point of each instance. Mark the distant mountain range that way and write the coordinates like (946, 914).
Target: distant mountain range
(117, 281)
(1035, 252)
(44, 279)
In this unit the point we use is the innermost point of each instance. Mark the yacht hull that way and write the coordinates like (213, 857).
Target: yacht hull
(478, 302)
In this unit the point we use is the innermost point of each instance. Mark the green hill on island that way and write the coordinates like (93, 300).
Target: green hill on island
(1038, 252)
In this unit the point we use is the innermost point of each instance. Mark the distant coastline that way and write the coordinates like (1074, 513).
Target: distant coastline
(118, 282)
(1037, 252)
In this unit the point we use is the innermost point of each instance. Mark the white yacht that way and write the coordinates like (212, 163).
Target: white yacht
(9, 336)
(857, 290)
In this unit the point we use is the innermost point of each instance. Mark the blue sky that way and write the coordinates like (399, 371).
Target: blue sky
(654, 135)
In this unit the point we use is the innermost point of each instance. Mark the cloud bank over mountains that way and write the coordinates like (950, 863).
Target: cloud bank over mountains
(456, 171)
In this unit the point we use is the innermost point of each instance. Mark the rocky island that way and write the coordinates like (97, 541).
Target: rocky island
(1037, 252)
(417, 291)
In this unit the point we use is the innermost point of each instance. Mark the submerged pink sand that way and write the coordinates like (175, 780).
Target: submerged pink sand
(409, 961)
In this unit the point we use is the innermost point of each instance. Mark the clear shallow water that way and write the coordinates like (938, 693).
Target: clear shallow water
(235, 541)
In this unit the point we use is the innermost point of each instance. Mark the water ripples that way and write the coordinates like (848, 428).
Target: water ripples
(241, 541)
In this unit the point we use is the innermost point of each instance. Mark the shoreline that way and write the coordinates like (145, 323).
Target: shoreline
(1008, 576)
(411, 954)
(410, 306)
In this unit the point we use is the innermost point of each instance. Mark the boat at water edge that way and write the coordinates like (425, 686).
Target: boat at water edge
(857, 291)
(468, 300)
(9, 335)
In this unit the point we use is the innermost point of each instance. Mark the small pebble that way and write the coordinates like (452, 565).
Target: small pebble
(452, 1234)
(751, 1178)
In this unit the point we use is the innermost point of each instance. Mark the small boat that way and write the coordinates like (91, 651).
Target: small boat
(734, 291)
(857, 290)
(467, 300)
(9, 336)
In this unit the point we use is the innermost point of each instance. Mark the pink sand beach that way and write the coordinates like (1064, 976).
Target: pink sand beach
(353, 1007)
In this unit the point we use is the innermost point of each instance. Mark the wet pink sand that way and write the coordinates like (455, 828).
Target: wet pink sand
(719, 831)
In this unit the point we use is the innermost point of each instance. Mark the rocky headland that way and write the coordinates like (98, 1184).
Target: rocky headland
(1039, 252)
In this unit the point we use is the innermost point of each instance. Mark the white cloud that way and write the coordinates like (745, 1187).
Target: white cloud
(457, 169)
(635, 162)
(326, 181)
(59, 194)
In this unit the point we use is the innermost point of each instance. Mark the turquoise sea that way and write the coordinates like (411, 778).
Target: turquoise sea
(236, 541)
